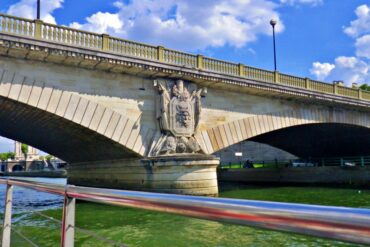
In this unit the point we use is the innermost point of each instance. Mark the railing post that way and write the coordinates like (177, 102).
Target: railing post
(7, 224)
(335, 88)
(105, 43)
(276, 77)
(241, 70)
(38, 29)
(68, 222)
(359, 93)
(199, 61)
(362, 161)
(160, 53)
(307, 83)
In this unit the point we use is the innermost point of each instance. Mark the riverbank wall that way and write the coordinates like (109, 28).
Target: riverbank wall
(45, 174)
(300, 175)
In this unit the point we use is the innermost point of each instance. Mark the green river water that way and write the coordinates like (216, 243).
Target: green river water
(144, 228)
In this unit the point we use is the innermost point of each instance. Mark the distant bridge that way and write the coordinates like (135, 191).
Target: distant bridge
(116, 111)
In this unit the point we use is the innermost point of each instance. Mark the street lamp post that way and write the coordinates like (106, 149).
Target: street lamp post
(38, 9)
(273, 23)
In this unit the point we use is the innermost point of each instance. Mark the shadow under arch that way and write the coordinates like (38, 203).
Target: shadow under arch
(66, 124)
(56, 135)
(230, 133)
(17, 168)
(320, 140)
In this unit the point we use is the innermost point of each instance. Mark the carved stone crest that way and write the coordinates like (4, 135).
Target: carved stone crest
(178, 112)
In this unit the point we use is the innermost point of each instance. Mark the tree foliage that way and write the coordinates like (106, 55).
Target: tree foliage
(49, 157)
(24, 148)
(46, 157)
(6, 156)
(365, 87)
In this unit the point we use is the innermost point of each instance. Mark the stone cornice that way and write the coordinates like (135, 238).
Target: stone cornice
(33, 49)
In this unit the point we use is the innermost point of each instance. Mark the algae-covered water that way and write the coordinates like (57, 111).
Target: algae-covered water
(134, 227)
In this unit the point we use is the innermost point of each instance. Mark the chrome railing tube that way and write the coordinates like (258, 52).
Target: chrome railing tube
(340, 223)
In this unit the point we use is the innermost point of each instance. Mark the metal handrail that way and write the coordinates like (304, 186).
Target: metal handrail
(340, 223)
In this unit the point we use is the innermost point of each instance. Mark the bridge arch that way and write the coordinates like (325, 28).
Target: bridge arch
(228, 134)
(66, 124)
(17, 167)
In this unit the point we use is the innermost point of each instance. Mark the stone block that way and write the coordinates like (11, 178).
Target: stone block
(119, 128)
(25, 93)
(89, 113)
(104, 121)
(45, 98)
(81, 110)
(6, 82)
(35, 94)
(112, 125)
(126, 132)
(72, 106)
(16, 86)
(54, 100)
(98, 114)
(63, 103)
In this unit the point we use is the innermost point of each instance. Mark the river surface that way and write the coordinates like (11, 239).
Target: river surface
(149, 229)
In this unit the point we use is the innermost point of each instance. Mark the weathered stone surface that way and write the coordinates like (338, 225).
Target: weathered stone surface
(178, 109)
(192, 175)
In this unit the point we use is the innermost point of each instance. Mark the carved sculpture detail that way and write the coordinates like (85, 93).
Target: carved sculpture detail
(178, 112)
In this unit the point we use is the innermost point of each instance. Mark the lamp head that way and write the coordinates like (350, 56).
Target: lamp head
(273, 22)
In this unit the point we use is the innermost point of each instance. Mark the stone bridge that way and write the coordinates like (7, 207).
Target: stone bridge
(130, 115)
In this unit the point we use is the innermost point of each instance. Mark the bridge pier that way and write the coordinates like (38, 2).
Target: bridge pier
(178, 174)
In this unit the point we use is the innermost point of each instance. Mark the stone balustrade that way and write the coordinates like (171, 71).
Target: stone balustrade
(64, 35)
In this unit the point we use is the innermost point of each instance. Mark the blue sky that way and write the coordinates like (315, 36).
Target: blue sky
(321, 39)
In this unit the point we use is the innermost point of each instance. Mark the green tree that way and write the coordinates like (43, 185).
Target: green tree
(24, 149)
(49, 157)
(365, 87)
(6, 156)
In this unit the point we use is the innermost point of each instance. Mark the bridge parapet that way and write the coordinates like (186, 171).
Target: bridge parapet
(102, 42)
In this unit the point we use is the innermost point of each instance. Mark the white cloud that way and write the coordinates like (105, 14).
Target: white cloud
(351, 69)
(354, 68)
(363, 46)
(101, 23)
(177, 24)
(27, 9)
(299, 2)
(347, 69)
(321, 70)
(362, 24)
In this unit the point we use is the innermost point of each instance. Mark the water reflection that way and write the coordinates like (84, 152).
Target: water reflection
(25, 200)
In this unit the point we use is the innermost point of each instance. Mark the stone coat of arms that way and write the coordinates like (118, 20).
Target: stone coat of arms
(178, 112)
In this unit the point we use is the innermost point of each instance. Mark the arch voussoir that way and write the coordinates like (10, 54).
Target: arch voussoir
(76, 109)
(230, 133)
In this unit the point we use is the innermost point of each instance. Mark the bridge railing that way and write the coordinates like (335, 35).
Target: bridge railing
(60, 34)
(353, 161)
(346, 224)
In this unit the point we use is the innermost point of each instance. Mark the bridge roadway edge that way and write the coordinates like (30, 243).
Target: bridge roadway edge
(114, 63)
